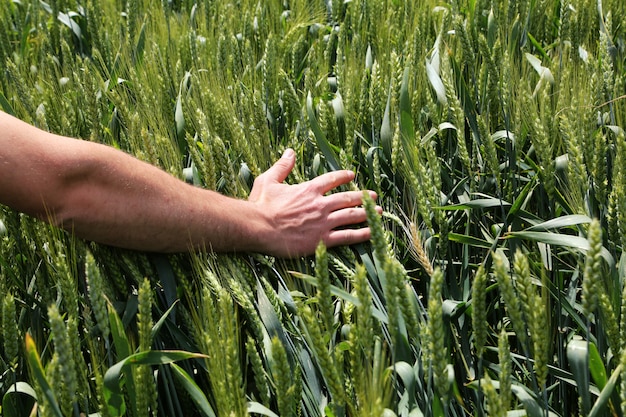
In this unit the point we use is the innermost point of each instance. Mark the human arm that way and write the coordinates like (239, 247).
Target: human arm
(105, 195)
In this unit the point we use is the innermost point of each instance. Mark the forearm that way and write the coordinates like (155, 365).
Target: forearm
(124, 202)
(105, 195)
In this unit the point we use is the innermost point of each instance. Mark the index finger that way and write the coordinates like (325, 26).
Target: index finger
(331, 180)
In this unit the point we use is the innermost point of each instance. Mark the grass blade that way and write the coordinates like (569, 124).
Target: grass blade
(13, 405)
(320, 137)
(533, 409)
(113, 378)
(34, 361)
(157, 326)
(257, 408)
(577, 356)
(407, 130)
(386, 134)
(600, 405)
(570, 241)
(469, 240)
(563, 221)
(436, 83)
(193, 390)
(5, 105)
(478, 203)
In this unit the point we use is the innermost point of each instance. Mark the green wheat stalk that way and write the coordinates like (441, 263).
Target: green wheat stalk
(144, 382)
(66, 367)
(510, 297)
(10, 330)
(323, 296)
(505, 377)
(479, 310)
(592, 285)
(438, 351)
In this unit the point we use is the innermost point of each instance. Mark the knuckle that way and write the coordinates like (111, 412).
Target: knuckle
(259, 180)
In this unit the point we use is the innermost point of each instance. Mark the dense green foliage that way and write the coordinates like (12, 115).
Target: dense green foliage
(492, 131)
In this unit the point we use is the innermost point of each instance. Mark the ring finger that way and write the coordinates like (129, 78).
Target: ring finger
(347, 217)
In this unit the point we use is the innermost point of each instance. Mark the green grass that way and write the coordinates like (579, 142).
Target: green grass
(492, 131)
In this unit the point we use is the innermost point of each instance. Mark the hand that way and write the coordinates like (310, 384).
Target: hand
(302, 215)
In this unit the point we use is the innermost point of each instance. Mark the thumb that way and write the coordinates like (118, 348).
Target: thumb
(281, 168)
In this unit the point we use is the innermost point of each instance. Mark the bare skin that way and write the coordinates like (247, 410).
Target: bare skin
(105, 195)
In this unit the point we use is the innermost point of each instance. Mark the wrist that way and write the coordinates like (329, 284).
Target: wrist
(259, 233)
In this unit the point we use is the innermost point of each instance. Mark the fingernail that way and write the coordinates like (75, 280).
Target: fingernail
(289, 153)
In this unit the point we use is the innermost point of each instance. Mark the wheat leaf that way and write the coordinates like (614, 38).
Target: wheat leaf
(194, 391)
(320, 138)
(34, 361)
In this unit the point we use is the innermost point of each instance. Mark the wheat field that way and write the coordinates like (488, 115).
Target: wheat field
(492, 131)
